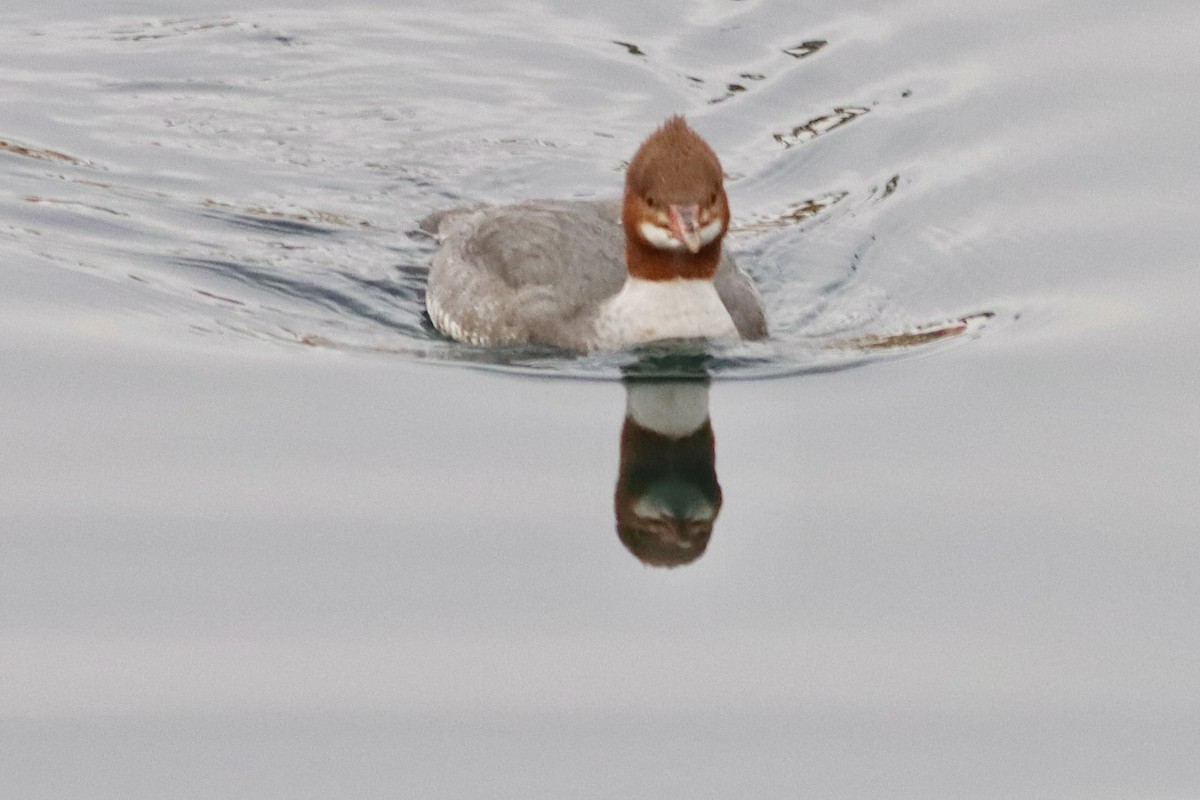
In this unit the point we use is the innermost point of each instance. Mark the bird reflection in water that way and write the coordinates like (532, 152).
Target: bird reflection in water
(667, 496)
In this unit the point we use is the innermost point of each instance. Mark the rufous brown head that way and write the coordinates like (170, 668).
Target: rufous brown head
(675, 210)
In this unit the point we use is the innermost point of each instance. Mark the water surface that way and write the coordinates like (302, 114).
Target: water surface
(266, 535)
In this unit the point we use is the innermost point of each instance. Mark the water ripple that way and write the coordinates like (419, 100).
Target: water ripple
(250, 191)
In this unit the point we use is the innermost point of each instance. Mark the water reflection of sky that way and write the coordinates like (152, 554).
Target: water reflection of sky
(240, 566)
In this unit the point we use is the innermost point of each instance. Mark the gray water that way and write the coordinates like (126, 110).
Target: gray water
(266, 535)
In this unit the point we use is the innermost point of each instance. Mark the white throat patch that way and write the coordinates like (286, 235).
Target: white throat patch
(661, 238)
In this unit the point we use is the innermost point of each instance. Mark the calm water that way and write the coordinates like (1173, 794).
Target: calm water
(267, 536)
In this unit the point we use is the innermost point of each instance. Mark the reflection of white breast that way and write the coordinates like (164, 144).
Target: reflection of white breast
(674, 409)
(645, 310)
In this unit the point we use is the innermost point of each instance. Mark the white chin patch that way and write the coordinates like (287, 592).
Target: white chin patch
(710, 231)
(661, 238)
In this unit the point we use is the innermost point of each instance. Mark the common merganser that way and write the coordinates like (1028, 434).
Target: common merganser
(595, 275)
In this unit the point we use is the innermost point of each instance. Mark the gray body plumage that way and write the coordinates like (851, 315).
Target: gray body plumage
(539, 272)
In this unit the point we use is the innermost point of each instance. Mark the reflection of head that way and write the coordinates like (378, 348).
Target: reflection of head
(667, 495)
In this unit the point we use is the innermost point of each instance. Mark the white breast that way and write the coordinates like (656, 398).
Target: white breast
(645, 311)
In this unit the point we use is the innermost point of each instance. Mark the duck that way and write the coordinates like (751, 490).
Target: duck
(596, 275)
